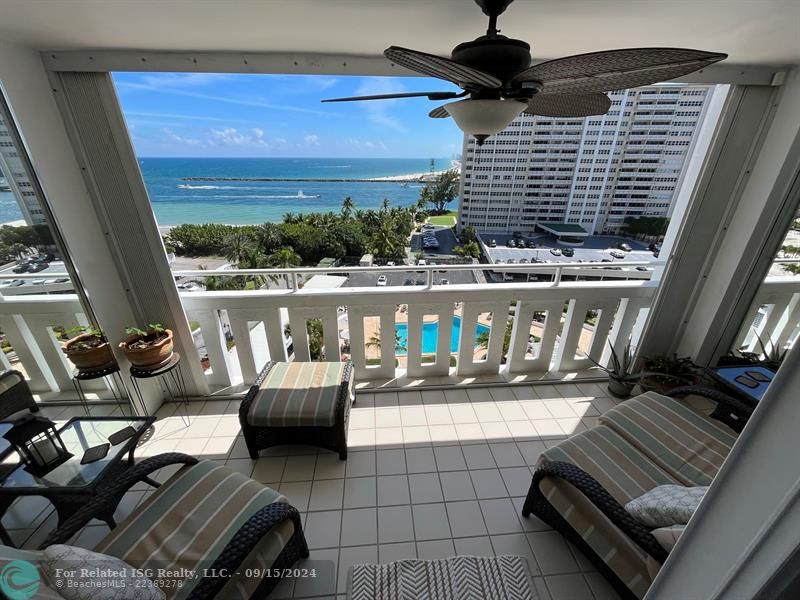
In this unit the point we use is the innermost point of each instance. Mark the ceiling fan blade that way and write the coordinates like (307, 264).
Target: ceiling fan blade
(441, 68)
(428, 95)
(568, 105)
(616, 69)
(439, 113)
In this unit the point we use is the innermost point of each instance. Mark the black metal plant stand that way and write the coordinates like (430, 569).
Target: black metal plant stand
(171, 378)
(114, 379)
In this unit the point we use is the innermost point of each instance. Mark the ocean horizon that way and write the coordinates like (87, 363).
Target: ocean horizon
(177, 196)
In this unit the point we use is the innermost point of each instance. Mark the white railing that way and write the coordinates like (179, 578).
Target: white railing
(774, 315)
(241, 330)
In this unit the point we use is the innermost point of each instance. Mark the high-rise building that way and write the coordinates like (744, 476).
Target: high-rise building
(593, 171)
(16, 179)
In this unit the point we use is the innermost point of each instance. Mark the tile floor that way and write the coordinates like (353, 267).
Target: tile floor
(430, 474)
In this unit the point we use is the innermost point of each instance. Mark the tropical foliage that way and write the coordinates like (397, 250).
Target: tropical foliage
(15, 242)
(311, 237)
(646, 226)
(483, 339)
(440, 192)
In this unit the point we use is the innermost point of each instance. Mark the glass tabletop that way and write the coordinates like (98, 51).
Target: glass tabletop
(79, 435)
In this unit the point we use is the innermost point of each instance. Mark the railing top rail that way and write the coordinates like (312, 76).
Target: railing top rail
(516, 267)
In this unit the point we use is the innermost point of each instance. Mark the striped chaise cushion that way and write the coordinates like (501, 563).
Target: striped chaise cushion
(686, 444)
(188, 521)
(626, 473)
(296, 394)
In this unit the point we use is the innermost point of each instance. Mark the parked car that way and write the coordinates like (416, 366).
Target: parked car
(568, 252)
(616, 253)
(531, 244)
(523, 261)
(624, 247)
(656, 253)
(511, 243)
(555, 251)
(35, 267)
(381, 280)
(653, 247)
(606, 260)
(408, 282)
(444, 282)
(512, 261)
(22, 267)
(492, 243)
(643, 268)
(428, 226)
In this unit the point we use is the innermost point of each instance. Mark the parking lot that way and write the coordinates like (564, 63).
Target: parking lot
(445, 237)
(595, 249)
(411, 277)
(38, 285)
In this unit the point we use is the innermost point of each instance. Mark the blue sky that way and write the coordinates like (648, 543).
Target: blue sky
(231, 115)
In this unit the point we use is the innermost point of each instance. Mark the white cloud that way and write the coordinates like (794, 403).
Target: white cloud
(365, 144)
(160, 80)
(171, 135)
(378, 111)
(230, 136)
(312, 140)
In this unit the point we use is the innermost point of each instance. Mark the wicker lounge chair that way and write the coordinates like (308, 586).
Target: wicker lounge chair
(223, 523)
(15, 395)
(581, 485)
(299, 403)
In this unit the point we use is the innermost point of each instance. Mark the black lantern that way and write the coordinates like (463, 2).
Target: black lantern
(38, 444)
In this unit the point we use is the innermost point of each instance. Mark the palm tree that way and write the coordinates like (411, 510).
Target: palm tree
(375, 341)
(482, 341)
(348, 206)
(283, 258)
(236, 245)
(441, 191)
(268, 237)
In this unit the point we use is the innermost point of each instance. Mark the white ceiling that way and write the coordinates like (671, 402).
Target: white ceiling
(750, 31)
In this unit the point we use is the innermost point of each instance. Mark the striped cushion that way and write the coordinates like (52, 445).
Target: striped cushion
(681, 441)
(188, 521)
(619, 467)
(626, 473)
(297, 394)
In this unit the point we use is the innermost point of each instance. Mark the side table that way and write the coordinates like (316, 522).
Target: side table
(111, 374)
(170, 376)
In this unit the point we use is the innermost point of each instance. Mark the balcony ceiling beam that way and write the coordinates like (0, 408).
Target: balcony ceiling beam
(320, 64)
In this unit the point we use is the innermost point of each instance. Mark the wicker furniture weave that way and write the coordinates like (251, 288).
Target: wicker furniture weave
(581, 485)
(15, 395)
(277, 409)
(265, 525)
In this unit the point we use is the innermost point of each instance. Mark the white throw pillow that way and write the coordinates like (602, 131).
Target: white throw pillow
(667, 537)
(666, 505)
(80, 574)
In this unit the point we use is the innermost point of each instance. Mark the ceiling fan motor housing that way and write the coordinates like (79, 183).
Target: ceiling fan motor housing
(500, 56)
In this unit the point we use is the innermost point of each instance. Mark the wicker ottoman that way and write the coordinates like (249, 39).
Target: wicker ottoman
(299, 403)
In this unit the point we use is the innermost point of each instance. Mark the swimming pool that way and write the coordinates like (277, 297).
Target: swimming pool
(430, 333)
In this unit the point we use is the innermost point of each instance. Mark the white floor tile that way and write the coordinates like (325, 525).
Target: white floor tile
(326, 494)
(488, 483)
(465, 519)
(391, 462)
(395, 524)
(449, 458)
(391, 552)
(475, 546)
(436, 549)
(322, 529)
(420, 460)
(425, 487)
(430, 522)
(393, 490)
(359, 526)
(360, 492)
(456, 485)
(360, 464)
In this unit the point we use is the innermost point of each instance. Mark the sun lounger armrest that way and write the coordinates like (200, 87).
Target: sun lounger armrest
(109, 497)
(597, 495)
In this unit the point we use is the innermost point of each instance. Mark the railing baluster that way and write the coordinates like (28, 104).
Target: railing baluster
(24, 344)
(240, 327)
(570, 335)
(784, 335)
(467, 365)
(216, 346)
(444, 316)
(520, 334)
(276, 341)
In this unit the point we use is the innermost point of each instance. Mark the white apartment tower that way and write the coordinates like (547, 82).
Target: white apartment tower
(17, 180)
(592, 171)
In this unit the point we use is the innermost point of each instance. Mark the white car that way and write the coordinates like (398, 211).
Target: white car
(381, 281)
(617, 253)
(428, 226)
(555, 251)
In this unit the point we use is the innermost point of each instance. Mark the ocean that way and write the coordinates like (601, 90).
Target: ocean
(177, 201)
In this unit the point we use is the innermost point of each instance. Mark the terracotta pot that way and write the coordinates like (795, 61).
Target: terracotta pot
(620, 389)
(90, 359)
(151, 355)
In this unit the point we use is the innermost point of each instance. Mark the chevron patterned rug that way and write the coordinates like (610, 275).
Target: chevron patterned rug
(455, 578)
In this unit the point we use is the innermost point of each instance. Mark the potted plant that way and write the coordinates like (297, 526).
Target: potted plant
(147, 348)
(667, 371)
(621, 378)
(87, 347)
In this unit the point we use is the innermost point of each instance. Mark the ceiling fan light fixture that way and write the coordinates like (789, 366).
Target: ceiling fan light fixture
(483, 118)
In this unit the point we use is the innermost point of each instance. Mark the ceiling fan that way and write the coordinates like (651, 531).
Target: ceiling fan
(495, 74)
